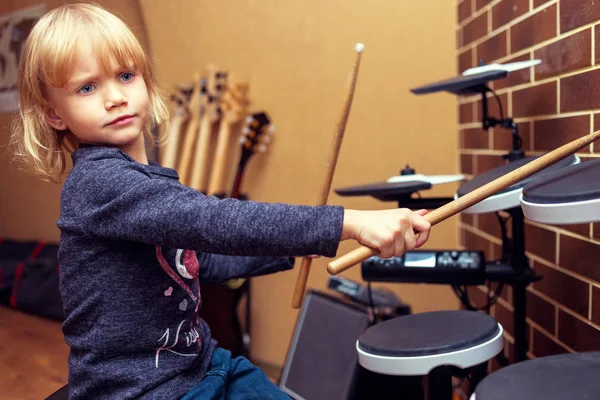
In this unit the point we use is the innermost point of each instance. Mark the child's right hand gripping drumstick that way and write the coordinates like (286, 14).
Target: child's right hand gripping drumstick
(450, 209)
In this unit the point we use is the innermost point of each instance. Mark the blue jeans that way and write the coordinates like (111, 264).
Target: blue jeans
(235, 378)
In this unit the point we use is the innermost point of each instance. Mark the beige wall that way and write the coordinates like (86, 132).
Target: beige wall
(297, 56)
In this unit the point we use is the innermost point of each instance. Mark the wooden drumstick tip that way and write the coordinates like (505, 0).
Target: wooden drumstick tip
(359, 47)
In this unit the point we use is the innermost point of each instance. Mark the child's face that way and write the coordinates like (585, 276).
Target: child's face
(101, 107)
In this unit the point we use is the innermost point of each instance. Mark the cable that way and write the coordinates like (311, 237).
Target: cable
(462, 293)
(499, 103)
(371, 304)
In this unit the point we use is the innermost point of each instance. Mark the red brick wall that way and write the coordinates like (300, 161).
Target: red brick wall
(553, 103)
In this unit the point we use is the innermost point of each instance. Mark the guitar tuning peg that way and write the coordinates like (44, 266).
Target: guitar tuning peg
(242, 139)
(262, 148)
(246, 130)
(266, 139)
(249, 119)
(271, 129)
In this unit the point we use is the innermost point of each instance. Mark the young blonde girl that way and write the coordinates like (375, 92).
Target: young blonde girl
(135, 244)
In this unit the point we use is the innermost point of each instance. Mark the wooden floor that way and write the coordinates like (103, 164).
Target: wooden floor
(33, 356)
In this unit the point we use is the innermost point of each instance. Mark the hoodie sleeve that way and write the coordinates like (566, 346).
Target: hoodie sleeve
(116, 198)
(218, 268)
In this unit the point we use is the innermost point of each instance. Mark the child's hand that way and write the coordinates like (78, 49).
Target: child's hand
(392, 232)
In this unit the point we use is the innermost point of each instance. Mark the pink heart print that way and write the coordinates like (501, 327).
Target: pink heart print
(169, 291)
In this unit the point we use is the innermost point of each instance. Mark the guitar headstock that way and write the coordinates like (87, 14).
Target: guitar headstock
(234, 102)
(216, 82)
(180, 100)
(194, 95)
(256, 134)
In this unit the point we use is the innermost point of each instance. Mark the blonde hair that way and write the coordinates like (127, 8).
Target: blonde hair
(47, 60)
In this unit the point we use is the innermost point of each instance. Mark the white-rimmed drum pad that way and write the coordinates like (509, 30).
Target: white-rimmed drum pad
(509, 197)
(567, 196)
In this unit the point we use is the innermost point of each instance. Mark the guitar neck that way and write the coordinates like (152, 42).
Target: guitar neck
(199, 173)
(217, 179)
(237, 181)
(169, 156)
(191, 134)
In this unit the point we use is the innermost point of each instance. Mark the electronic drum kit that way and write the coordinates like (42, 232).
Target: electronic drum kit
(442, 344)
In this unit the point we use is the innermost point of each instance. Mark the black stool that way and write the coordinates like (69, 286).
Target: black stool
(437, 345)
(566, 376)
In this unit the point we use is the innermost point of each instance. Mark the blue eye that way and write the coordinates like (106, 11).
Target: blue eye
(85, 89)
(127, 76)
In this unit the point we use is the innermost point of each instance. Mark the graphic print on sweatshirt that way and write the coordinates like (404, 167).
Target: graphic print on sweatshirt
(182, 267)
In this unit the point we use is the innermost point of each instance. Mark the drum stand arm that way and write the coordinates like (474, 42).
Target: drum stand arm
(506, 123)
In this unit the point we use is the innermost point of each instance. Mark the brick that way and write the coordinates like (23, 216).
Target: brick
(566, 290)
(580, 92)
(576, 13)
(466, 164)
(537, 3)
(486, 162)
(466, 113)
(539, 27)
(489, 223)
(477, 296)
(503, 137)
(479, 4)
(507, 10)
(580, 229)
(467, 218)
(571, 53)
(541, 312)
(596, 126)
(580, 256)
(475, 29)
(597, 49)
(505, 317)
(492, 49)
(465, 60)
(474, 138)
(544, 346)
(595, 304)
(464, 10)
(535, 100)
(552, 133)
(476, 243)
(540, 242)
(596, 231)
(516, 77)
(577, 334)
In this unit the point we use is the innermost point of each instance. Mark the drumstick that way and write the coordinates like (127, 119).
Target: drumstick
(333, 155)
(454, 207)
